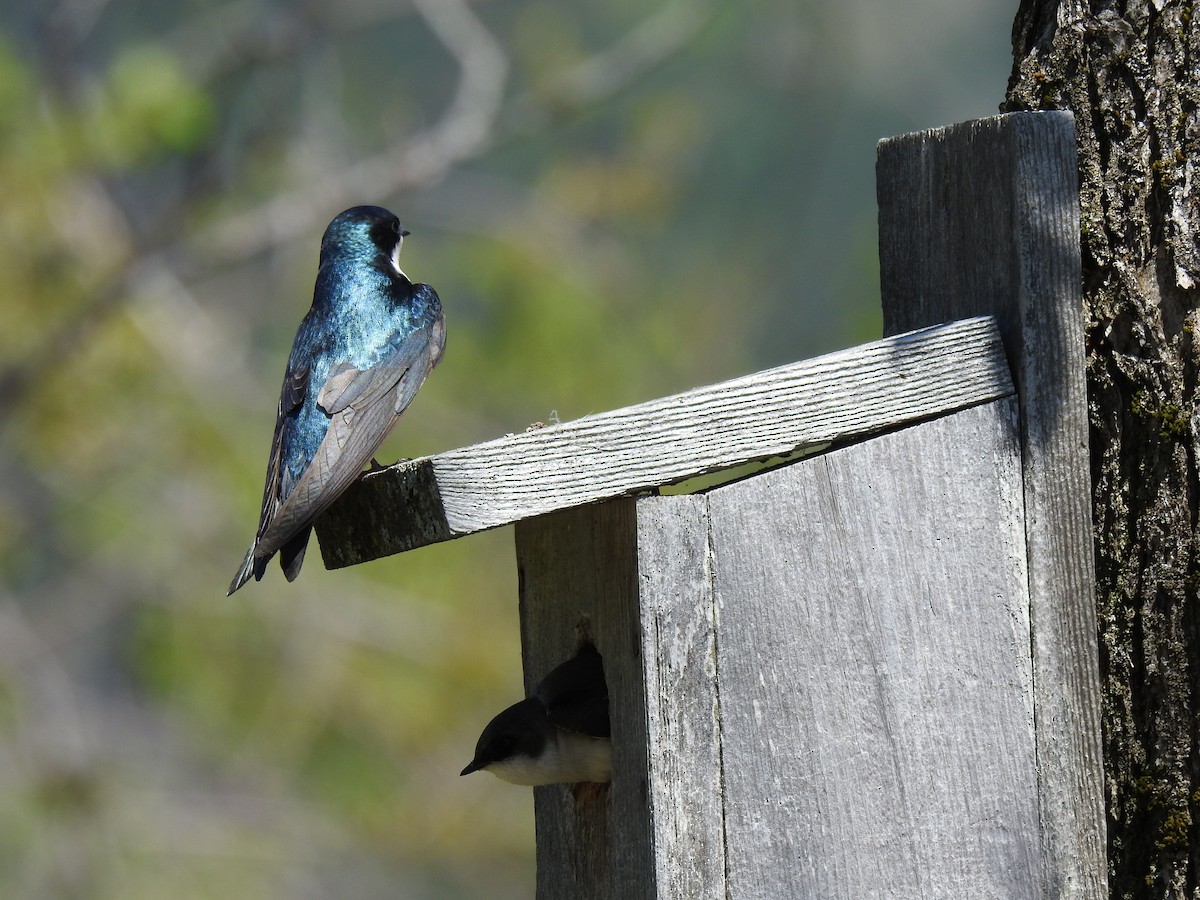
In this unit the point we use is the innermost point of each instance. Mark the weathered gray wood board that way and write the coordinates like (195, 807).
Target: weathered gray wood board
(874, 672)
(846, 394)
(634, 575)
(820, 677)
(980, 218)
(595, 839)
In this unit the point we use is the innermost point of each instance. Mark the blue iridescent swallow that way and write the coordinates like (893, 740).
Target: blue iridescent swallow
(361, 353)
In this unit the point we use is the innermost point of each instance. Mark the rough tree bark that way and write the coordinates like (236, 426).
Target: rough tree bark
(1130, 72)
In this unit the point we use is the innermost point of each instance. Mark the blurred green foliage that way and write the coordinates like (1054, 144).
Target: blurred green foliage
(708, 215)
(148, 107)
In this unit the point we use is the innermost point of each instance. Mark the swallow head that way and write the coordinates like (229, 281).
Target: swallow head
(369, 232)
(522, 746)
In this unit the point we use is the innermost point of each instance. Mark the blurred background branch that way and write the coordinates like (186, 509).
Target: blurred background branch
(463, 131)
(615, 202)
(468, 127)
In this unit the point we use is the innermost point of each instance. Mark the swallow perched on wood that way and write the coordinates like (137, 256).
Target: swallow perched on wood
(558, 734)
(359, 357)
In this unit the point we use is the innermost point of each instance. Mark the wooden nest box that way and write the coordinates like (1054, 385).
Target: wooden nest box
(870, 671)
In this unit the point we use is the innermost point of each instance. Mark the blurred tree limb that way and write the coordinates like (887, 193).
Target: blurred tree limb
(477, 119)
(462, 132)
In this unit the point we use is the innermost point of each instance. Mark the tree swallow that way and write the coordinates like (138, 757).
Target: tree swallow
(358, 359)
(559, 734)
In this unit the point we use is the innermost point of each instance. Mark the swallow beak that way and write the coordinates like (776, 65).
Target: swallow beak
(472, 766)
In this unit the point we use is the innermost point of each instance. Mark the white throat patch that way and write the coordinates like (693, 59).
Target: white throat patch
(396, 257)
(572, 758)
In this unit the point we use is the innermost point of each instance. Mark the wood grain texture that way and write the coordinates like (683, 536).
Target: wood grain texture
(1132, 80)
(874, 669)
(679, 665)
(866, 653)
(983, 218)
(635, 575)
(577, 572)
(847, 394)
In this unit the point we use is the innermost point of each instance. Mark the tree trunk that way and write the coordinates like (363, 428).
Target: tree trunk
(1129, 72)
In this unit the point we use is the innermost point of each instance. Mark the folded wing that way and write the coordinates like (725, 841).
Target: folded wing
(363, 405)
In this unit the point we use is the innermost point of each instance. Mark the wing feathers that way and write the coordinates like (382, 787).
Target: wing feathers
(348, 386)
(363, 405)
(359, 425)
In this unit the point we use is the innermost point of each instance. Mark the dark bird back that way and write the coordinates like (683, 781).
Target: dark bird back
(358, 359)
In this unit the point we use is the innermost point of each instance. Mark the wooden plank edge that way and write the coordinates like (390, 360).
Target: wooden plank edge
(365, 524)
